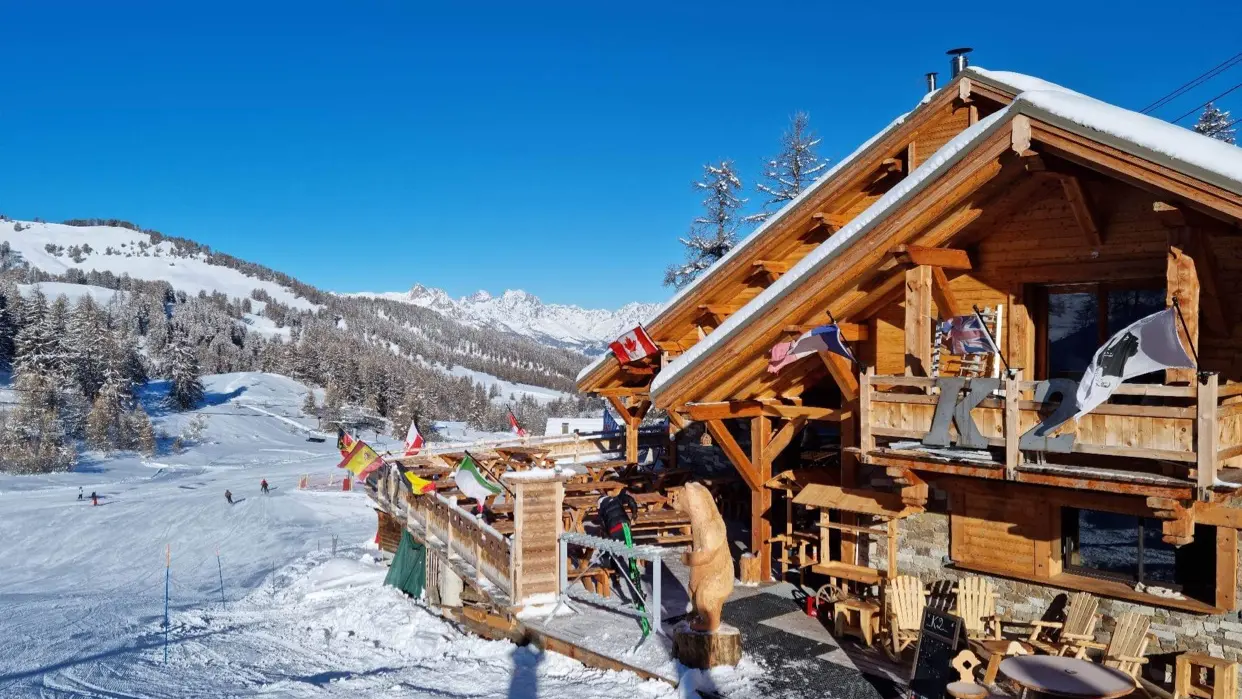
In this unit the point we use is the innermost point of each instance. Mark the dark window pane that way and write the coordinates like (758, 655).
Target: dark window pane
(1159, 558)
(1125, 307)
(1108, 542)
(1073, 333)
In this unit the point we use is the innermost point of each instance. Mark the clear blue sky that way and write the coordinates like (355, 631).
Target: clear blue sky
(372, 145)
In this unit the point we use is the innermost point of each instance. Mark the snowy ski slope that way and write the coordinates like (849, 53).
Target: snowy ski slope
(83, 586)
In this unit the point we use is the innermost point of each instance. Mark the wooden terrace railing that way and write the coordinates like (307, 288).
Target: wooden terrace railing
(1199, 426)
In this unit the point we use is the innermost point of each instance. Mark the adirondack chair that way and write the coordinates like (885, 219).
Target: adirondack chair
(906, 599)
(976, 605)
(1126, 648)
(1055, 637)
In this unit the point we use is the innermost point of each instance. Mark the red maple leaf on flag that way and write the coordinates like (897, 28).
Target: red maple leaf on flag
(630, 345)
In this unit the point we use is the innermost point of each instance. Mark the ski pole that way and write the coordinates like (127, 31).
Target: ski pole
(220, 567)
(167, 578)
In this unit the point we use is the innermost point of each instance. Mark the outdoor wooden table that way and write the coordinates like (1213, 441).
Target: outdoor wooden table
(1067, 677)
(998, 650)
(601, 487)
(856, 617)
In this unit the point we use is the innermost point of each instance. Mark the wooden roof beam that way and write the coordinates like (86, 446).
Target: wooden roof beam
(851, 332)
(842, 372)
(943, 296)
(946, 258)
(1083, 212)
(623, 391)
(737, 456)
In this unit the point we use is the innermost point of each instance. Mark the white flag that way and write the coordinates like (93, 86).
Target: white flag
(1146, 345)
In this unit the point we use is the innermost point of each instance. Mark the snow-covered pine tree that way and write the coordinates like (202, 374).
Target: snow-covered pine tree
(715, 232)
(186, 388)
(88, 345)
(1216, 123)
(793, 169)
(308, 404)
(141, 431)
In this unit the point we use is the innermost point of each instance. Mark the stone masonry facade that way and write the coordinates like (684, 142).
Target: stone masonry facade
(923, 551)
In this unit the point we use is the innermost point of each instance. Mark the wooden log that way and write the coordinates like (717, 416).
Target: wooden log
(704, 650)
(748, 569)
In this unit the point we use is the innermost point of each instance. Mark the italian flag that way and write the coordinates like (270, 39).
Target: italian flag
(470, 481)
(633, 346)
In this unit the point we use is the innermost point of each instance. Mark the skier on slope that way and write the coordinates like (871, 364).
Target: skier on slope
(228, 495)
(94, 498)
(263, 486)
(79, 492)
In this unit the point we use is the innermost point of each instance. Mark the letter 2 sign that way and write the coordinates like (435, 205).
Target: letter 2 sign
(959, 396)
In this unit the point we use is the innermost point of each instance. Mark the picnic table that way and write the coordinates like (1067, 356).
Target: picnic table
(522, 457)
(1063, 676)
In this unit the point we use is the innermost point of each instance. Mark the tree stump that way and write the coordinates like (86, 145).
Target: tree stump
(703, 650)
(748, 569)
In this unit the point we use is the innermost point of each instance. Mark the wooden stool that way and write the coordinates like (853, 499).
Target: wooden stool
(1191, 666)
(858, 618)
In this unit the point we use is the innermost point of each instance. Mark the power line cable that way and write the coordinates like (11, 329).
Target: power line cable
(1207, 103)
(1192, 84)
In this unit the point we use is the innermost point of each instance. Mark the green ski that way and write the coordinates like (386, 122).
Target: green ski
(636, 579)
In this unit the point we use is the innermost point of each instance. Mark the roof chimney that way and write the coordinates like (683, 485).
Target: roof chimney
(958, 61)
(931, 82)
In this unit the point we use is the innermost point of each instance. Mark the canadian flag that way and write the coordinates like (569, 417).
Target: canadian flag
(514, 426)
(413, 440)
(633, 346)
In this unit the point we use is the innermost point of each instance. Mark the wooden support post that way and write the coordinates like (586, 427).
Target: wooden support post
(892, 548)
(849, 479)
(1013, 431)
(761, 497)
(1020, 332)
(918, 320)
(1206, 443)
(1182, 283)
(631, 440)
(866, 443)
(1226, 575)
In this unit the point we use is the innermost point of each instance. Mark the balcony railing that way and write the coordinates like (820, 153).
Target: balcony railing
(1155, 434)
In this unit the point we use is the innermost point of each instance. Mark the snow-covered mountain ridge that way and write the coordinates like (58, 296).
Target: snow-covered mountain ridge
(516, 311)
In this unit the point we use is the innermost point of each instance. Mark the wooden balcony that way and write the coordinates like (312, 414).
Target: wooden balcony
(1181, 442)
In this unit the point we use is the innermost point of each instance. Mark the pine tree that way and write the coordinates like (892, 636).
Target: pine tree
(106, 428)
(141, 431)
(793, 169)
(308, 405)
(186, 389)
(1216, 123)
(715, 232)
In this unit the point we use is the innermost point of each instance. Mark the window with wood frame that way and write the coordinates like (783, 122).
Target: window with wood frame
(1072, 321)
(1131, 549)
(1052, 539)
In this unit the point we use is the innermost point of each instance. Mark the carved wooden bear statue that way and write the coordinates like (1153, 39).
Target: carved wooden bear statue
(711, 566)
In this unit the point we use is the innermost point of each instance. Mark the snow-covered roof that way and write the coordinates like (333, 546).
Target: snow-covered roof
(745, 243)
(1170, 145)
(1181, 149)
(830, 249)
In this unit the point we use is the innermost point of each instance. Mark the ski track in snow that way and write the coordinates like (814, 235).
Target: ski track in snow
(82, 589)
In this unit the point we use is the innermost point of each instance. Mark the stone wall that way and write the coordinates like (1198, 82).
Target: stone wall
(923, 551)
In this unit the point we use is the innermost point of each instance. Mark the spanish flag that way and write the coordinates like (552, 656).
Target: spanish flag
(420, 486)
(344, 442)
(361, 460)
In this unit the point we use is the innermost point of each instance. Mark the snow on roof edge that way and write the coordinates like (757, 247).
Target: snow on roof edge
(948, 154)
(754, 235)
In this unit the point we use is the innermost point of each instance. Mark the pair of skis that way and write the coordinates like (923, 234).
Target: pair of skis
(635, 578)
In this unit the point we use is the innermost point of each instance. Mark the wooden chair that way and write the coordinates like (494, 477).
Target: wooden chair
(1126, 648)
(906, 599)
(1080, 618)
(976, 605)
(966, 687)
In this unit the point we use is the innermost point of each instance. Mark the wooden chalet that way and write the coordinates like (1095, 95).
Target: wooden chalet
(762, 258)
(1065, 219)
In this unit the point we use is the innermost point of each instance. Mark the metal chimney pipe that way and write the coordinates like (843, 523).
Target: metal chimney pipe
(958, 60)
(931, 82)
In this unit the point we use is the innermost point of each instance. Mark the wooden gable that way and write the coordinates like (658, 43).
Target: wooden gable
(786, 241)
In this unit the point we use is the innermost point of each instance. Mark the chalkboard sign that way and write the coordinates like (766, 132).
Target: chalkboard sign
(933, 657)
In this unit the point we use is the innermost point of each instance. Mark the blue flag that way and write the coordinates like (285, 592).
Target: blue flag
(610, 423)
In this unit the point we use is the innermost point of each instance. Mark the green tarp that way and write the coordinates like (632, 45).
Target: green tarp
(408, 572)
